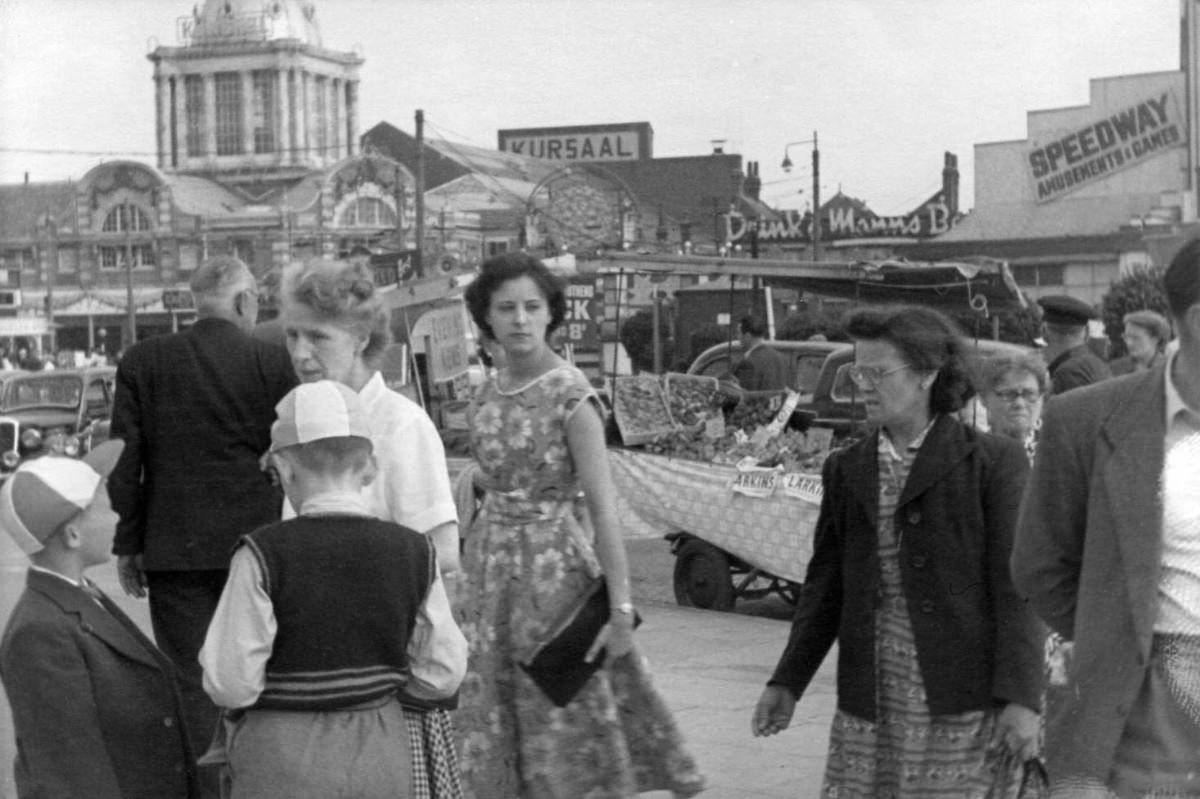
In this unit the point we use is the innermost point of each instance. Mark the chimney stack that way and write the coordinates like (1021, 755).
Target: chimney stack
(950, 182)
(752, 186)
(718, 146)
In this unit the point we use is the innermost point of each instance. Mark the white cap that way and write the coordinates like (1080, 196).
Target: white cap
(312, 411)
(45, 493)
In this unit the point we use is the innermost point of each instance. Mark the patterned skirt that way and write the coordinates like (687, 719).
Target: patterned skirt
(908, 753)
(616, 738)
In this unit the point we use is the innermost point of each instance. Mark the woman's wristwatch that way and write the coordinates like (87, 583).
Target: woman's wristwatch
(625, 609)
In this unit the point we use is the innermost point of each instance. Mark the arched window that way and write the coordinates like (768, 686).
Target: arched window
(126, 217)
(368, 212)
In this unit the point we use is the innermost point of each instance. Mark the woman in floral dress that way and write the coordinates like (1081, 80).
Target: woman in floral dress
(537, 434)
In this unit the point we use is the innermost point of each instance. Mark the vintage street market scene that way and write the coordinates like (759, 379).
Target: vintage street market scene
(540, 399)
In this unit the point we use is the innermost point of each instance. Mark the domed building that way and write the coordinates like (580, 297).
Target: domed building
(257, 156)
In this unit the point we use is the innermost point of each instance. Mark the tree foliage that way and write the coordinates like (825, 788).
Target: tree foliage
(1140, 290)
(637, 336)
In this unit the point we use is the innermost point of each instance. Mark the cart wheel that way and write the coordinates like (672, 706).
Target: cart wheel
(790, 592)
(702, 577)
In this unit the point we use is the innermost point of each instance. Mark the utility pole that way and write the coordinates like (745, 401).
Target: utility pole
(130, 311)
(419, 256)
(816, 225)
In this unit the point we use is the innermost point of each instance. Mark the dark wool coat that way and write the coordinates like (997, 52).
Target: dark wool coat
(94, 704)
(978, 646)
(195, 411)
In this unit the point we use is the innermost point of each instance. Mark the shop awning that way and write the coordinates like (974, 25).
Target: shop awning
(23, 326)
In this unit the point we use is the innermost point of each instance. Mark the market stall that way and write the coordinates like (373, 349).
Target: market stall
(745, 533)
(734, 485)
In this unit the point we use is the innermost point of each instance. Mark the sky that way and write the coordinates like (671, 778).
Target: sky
(886, 86)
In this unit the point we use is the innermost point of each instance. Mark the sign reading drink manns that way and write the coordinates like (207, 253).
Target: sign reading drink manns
(1130, 136)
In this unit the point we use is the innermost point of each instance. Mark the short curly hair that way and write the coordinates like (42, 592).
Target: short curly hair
(499, 270)
(994, 370)
(928, 340)
(341, 293)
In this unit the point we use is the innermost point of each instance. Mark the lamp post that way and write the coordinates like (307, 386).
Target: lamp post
(816, 194)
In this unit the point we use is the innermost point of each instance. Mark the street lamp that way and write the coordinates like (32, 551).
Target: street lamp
(816, 201)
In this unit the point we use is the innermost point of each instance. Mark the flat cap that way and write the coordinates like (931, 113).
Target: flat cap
(1059, 309)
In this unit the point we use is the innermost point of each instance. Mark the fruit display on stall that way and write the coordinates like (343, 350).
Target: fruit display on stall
(754, 410)
(641, 409)
(792, 450)
(692, 398)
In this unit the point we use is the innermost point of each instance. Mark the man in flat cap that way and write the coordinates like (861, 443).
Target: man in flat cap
(1070, 363)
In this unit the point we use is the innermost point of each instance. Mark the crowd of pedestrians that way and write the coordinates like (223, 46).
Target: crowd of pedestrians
(320, 631)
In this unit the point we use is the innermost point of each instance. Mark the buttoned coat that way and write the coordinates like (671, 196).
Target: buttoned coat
(94, 705)
(978, 646)
(1088, 553)
(195, 411)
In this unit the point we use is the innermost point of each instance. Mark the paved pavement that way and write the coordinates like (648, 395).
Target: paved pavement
(709, 666)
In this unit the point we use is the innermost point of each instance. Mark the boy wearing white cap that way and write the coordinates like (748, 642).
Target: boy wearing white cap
(95, 705)
(331, 625)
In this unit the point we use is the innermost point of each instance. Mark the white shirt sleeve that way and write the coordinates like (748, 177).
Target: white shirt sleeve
(437, 650)
(240, 636)
(414, 478)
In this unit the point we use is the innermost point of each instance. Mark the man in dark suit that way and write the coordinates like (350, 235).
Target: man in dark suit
(761, 368)
(95, 706)
(1070, 363)
(195, 410)
(1106, 553)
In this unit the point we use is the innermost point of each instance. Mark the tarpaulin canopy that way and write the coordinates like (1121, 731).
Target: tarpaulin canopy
(983, 285)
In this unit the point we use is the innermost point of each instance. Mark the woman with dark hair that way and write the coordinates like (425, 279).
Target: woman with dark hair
(537, 432)
(939, 662)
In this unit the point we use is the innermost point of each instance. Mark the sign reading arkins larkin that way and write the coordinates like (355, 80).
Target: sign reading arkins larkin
(1128, 137)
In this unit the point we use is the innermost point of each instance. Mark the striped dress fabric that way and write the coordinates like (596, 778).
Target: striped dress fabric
(907, 753)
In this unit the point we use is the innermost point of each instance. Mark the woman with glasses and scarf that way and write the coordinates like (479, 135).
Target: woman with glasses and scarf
(939, 662)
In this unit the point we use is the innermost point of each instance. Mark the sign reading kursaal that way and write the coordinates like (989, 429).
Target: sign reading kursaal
(1127, 137)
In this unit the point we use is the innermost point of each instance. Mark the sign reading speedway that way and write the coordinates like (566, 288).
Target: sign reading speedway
(1130, 136)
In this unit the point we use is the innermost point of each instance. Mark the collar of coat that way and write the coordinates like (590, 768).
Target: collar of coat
(119, 633)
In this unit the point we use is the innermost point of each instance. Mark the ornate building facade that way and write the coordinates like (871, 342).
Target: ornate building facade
(257, 156)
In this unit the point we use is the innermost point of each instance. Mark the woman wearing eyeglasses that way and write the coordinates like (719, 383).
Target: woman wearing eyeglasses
(939, 662)
(1014, 392)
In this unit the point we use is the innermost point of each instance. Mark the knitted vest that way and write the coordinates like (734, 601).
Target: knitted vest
(345, 591)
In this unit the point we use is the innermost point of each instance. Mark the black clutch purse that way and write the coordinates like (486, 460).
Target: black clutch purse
(556, 665)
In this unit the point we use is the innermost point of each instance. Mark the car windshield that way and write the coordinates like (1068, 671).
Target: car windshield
(43, 391)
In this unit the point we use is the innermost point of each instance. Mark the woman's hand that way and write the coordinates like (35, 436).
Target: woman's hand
(1017, 731)
(617, 635)
(774, 710)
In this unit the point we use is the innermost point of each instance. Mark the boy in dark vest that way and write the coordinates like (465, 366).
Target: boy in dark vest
(332, 627)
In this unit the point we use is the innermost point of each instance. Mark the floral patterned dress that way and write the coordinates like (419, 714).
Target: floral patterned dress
(527, 559)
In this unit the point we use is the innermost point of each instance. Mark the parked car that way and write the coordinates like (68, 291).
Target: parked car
(828, 397)
(62, 411)
(804, 361)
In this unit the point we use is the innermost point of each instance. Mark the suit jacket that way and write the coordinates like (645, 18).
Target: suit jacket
(1075, 368)
(1088, 553)
(195, 411)
(977, 643)
(761, 369)
(94, 704)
